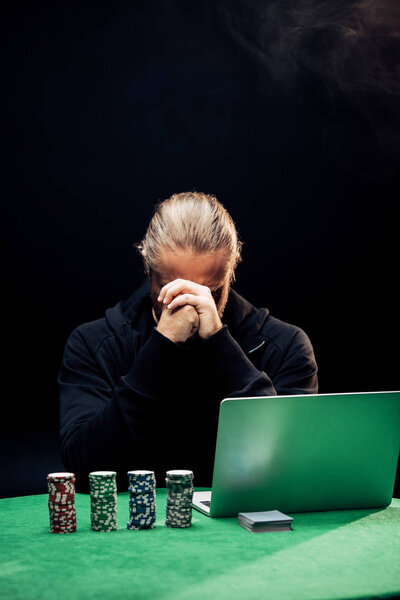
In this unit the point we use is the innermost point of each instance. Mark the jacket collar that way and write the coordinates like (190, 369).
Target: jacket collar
(244, 321)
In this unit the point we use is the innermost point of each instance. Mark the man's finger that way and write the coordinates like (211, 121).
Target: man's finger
(196, 301)
(166, 287)
(179, 286)
(174, 287)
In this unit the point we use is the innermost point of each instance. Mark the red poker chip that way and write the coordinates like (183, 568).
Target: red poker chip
(61, 502)
(59, 517)
(61, 476)
(59, 514)
(62, 525)
(56, 489)
(58, 483)
(61, 507)
(61, 499)
(61, 490)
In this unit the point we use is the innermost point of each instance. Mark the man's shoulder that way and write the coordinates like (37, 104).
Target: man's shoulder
(91, 334)
(120, 322)
(252, 326)
(280, 332)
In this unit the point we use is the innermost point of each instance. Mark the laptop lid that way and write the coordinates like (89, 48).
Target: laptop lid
(306, 453)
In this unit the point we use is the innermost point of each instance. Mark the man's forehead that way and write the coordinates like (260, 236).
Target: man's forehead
(205, 269)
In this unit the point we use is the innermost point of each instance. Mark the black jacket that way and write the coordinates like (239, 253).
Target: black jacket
(132, 399)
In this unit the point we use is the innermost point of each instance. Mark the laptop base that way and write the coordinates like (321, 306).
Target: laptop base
(198, 502)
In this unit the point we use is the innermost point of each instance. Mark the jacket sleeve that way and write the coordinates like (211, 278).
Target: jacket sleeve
(100, 423)
(234, 375)
(297, 373)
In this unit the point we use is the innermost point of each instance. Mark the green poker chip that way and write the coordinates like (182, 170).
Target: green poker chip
(179, 498)
(103, 500)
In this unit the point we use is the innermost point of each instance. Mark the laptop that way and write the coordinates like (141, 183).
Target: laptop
(306, 453)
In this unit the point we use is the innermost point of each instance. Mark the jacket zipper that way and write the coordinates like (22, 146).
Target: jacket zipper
(256, 348)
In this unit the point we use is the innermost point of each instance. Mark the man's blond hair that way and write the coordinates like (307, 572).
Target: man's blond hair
(190, 222)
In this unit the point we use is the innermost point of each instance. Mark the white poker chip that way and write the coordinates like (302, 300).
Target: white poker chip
(179, 473)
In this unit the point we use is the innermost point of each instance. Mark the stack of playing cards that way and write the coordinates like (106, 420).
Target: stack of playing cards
(268, 520)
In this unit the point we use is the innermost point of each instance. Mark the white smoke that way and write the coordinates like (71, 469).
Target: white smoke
(351, 47)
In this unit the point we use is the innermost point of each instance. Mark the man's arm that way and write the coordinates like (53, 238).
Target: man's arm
(231, 372)
(102, 424)
(297, 373)
(234, 375)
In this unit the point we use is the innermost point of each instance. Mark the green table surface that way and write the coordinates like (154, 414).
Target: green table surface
(336, 554)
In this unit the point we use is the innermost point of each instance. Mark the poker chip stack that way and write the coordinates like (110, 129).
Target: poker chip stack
(62, 502)
(179, 498)
(103, 500)
(142, 500)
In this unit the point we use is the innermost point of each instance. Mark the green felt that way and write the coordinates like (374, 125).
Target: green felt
(341, 554)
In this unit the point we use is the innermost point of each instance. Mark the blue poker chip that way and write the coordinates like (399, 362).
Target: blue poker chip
(133, 511)
(142, 500)
(141, 476)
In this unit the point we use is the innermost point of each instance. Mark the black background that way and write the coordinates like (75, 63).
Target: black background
(107, 109)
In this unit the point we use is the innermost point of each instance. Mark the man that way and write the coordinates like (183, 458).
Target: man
(141, 387)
